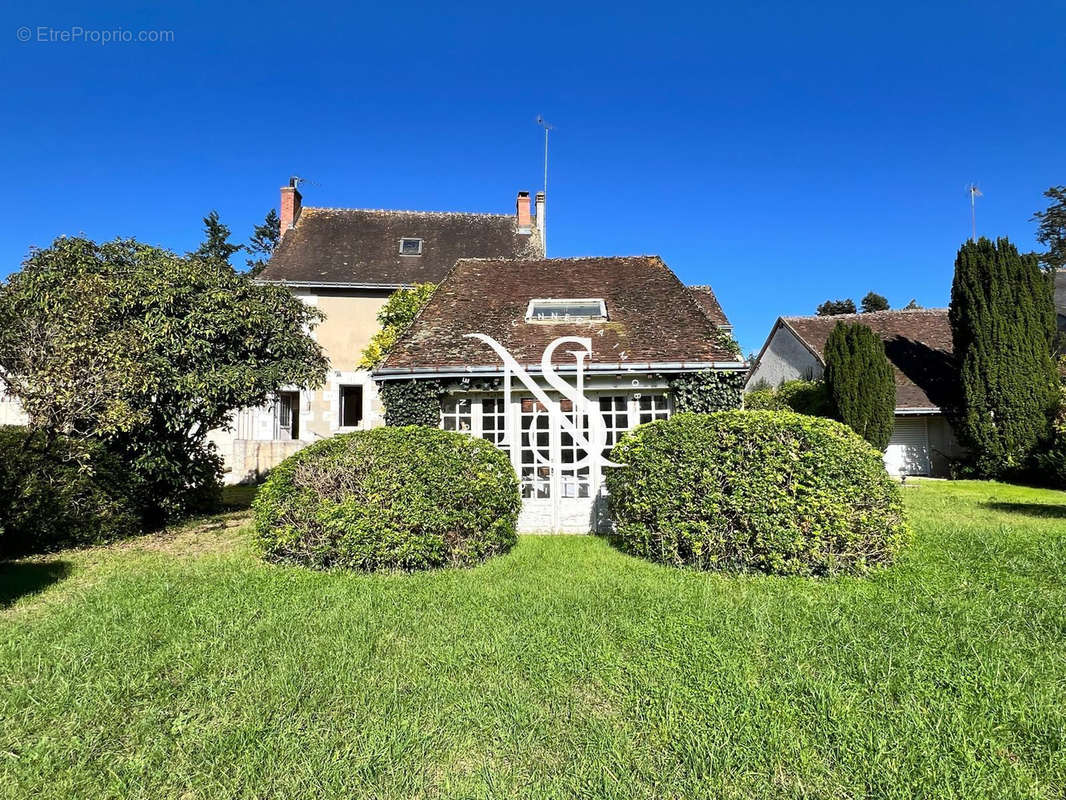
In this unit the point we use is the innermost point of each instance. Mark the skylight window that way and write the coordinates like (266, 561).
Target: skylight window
(410, 247)
(563, 310)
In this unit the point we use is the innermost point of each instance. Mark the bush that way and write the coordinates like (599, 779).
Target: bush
(390, 498)
(803, 397)
(755, 490)
(58, 494)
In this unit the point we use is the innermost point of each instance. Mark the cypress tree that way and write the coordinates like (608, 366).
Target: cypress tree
(861, 382)
(1003, 326)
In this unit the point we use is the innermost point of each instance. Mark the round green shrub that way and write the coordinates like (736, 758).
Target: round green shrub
(58, 493)
(404, 498)
(755, 490)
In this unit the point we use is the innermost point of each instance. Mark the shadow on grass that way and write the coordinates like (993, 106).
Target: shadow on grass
(1045, 510)
(20, 578)
(238, 498)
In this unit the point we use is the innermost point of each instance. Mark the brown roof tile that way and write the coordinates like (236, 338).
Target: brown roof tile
(651, 318)
(360, 246)
(708, 303)
(917, 342)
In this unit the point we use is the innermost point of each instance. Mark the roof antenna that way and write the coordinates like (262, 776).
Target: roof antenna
(974, 194)
(296, 180)
(547, 127)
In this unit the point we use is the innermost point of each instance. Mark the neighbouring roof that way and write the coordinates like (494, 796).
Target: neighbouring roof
(917, 342)
(651, 317)
(361, 246)
(709, 305)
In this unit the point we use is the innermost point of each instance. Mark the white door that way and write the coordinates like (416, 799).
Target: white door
(908, 449)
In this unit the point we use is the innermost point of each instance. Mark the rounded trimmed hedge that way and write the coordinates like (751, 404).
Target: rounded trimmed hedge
(393, 498)
(755, 490)
(58, 493)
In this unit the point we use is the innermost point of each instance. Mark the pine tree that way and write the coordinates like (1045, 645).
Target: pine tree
(874, 302)
(216, 245)
(861, 382)
(264, 240)
(912, 305)
(1003, 326)
(1052, 230)
(833, 308)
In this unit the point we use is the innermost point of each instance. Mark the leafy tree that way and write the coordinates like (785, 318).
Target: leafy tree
(803, 397)
(861, 382)
(912, 305)
(216, 245)
(1052, 229)
(264, 241)
(147, 351)
(1003, 325)
(833, 308)
(874, 302)
(399, 310)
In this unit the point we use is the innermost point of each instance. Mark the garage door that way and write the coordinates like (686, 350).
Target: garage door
(908, 449)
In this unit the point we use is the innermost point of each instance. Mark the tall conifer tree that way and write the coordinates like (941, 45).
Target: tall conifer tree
(1003, 326)
(861, 382)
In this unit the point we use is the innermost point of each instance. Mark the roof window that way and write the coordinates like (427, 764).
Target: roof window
(410, 246)
(565, 310)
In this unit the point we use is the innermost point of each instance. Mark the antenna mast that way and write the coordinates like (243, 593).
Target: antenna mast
(974, 194)
(544, 124)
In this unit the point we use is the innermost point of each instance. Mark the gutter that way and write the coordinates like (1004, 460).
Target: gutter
(335, 285)
(495, 370)
(928, 411)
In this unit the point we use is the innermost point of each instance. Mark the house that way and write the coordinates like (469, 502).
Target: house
(346, 262)
(644, 327)
(919, 346)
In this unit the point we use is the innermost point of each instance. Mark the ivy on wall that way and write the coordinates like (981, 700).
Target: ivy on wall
(411, 402)
(704, 392)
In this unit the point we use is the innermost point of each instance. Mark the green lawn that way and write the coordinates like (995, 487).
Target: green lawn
(177, 666)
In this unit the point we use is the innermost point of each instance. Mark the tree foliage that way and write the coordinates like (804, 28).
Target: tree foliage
(803, 397)
(398, 312)
(216, 245)
(834, 308)
(1052, 228)
(861, 383)
(1003, 327)
(147, 351)
(874, 302)
(264, 241)
(912, 305)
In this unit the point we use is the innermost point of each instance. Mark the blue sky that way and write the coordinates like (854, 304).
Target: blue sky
(782, 152)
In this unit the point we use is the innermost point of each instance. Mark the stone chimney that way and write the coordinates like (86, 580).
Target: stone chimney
(525, 221)
(539, 204)
(290, 206)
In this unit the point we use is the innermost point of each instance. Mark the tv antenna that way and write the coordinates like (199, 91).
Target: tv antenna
(974, 194)
(547, 127)
(296, 180)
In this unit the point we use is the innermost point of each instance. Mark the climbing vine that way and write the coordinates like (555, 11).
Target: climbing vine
(704, 392)
(411, 402)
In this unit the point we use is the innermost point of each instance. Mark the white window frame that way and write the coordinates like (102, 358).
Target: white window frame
(410, 239)
(536, 300)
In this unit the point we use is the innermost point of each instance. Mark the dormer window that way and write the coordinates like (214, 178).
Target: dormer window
(565, 310)
(410, 247)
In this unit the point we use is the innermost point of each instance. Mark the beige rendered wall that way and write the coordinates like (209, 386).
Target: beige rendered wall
(351, 321)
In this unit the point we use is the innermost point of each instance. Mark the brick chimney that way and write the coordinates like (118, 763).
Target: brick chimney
(290, 206)
(525, 221)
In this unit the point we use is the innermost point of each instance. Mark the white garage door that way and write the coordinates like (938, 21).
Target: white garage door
(908, 449)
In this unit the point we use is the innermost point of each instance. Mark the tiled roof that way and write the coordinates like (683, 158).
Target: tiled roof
(651, 317)
(359, 246)
(708, 303)
(918, 343)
